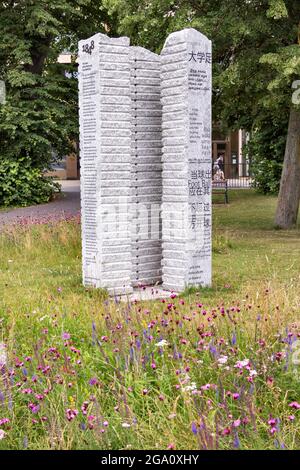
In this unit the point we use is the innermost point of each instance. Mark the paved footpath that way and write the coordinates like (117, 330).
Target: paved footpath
(66, 205)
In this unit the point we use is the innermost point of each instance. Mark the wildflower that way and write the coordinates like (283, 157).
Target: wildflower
(235, 396)
(206, 387)
(270, 381)
(252, 373)
(153, 365)
(4, 421)
(94, 381)
(3, 355)
(279, 356)
(145, 391)
(39, 396)
(245, 421)
(290, 418)
(84, 407)
(295, 405)
(194, 428)
(162, 343)
(242, 364)
(126, 425)
(236, 442)
(222, 360)
(91, 419)
(2, 434)
(226, 432)
(171, 446)
(35, 408)
(237, 423)
(190, 388)
(66, 336)
(71, 414)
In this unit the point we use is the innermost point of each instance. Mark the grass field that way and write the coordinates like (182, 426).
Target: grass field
(211, 369)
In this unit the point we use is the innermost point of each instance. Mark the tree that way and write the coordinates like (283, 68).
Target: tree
(256, 61)
(39, 118)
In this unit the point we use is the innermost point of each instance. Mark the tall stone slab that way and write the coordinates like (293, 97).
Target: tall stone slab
(186, 62)
(105, 148)
(146, 167)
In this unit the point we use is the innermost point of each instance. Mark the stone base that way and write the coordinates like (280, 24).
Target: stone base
(148, 293)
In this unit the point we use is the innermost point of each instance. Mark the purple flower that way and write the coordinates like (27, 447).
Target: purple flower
(236, 442)
(66, 336)
(94, 381)
(194, 428)
(34, 408)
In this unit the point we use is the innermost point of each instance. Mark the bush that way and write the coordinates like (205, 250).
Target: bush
(266, 174)
(267, 147)
(23, 185)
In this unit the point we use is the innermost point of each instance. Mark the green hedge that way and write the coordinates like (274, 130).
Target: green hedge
(22, 185)
(267, 147)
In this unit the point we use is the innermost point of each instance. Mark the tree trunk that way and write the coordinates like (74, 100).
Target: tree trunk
(39, 53)
(289, 195)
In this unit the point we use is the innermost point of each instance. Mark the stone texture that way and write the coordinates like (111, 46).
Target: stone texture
(186, 127)
(105, 147)
(145, 142)
(146, 167)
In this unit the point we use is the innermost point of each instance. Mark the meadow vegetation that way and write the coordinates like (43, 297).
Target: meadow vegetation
(209, 369)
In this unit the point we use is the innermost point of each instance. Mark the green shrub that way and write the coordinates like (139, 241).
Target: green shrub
(267, 174)
(22, 185)
(267, 147)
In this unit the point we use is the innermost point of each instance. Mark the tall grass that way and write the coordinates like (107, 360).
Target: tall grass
(210, 369)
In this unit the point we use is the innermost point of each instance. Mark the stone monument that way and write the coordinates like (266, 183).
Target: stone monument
(187, 166)
(145, 144)
(105, 148)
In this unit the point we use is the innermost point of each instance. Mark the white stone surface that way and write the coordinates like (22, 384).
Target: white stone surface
(186, 126)
(146, 167)
(105, 147)
(147, 293)
(145, 143)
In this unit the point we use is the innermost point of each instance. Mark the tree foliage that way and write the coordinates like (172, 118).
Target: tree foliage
(255, 47)
(256, 61)
(39, 118)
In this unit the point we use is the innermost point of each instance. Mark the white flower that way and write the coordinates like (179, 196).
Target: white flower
(125, 425)
(2, 434)
(190, 388)
(169, 14)
(253, 373)
(222, 360)
(162, 343)
(3, 355)
(43, 318)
